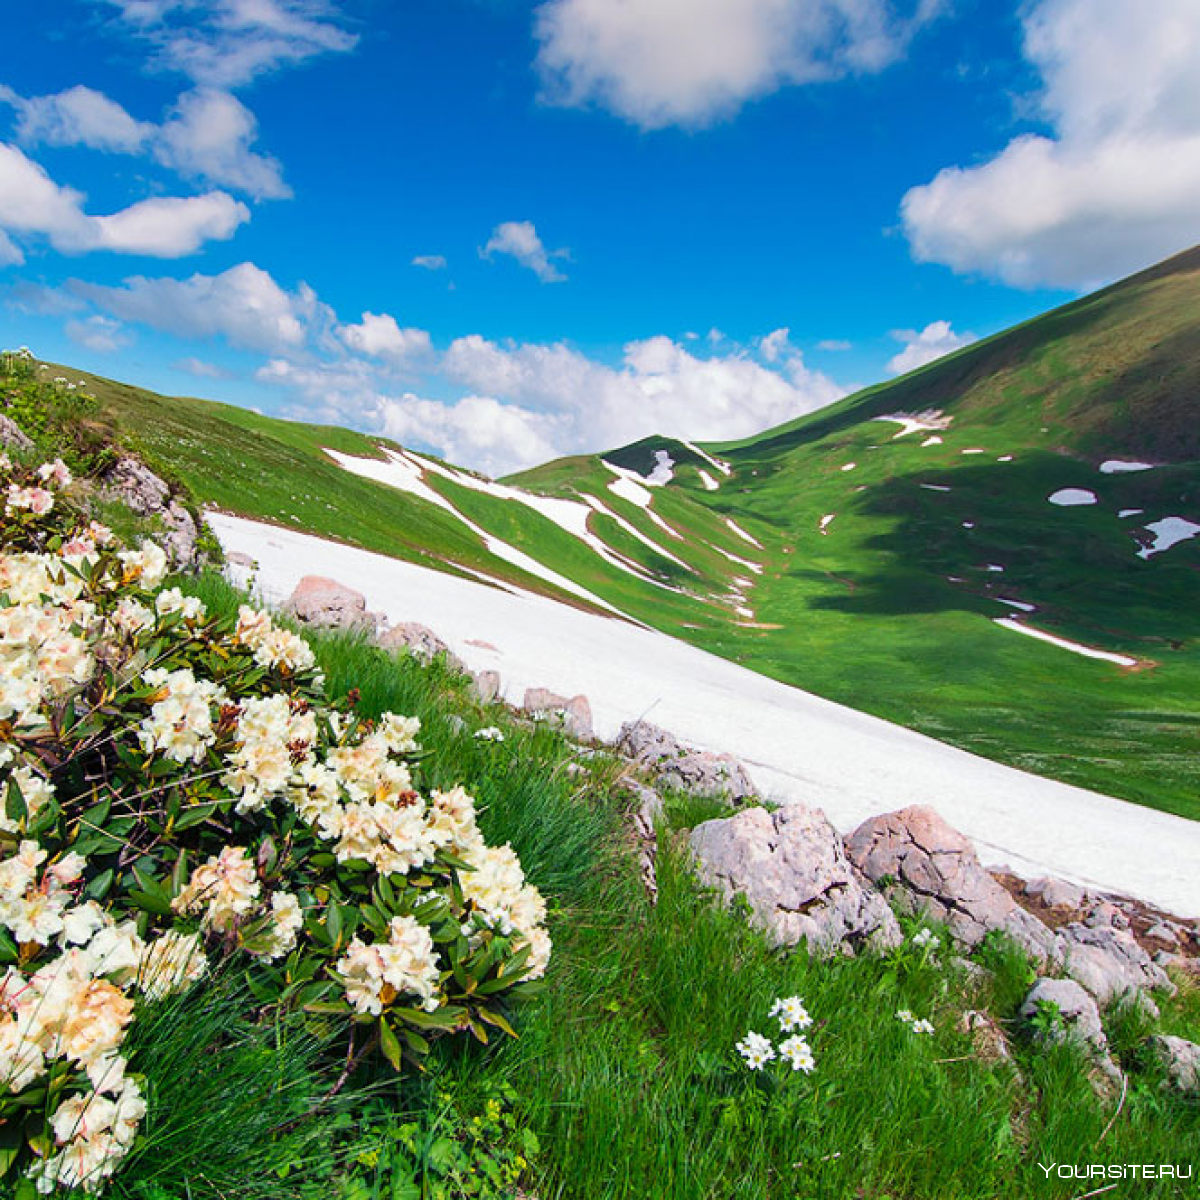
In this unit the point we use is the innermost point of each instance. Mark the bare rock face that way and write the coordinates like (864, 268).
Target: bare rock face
(678, 767)
(11, 434)
(421, 642)
(793, 871)
(328, 604)
(134, 484)
(1182, 1060)
(1057, 893)
(485, 685)
(935, 869)
(1067, 1013)
(1107, 959)
(573, 714)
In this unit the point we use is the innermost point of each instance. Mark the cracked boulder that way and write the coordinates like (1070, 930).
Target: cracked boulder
(1106, 958)
(677, 767)
(12, 435)
(792, 869)
(328, 604)
(136, 486)
(1182, 1061)
(934, 870)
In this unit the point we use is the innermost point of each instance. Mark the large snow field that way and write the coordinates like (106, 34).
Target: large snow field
(798, 747)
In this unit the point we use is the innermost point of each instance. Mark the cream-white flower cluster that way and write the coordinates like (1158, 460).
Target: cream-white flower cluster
(377, 973)
(76, 1008)
(916, 1024)
(757, 1050)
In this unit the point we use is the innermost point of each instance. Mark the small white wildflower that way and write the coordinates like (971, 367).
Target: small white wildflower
(791, 1014)
(489, 734)
(922, 1026)
(926, 937)
(756, 1050)
(799, 1053)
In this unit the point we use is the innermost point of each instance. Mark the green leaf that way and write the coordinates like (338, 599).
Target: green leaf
(497, 1019)
(101, 885)
(14, 805)
(390, 1045)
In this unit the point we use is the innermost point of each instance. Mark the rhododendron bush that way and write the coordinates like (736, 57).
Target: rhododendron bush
(177, 793)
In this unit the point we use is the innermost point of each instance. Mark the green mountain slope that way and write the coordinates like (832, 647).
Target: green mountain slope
(856, 557)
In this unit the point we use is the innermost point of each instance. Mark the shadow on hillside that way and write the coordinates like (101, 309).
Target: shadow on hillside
(1079, 563)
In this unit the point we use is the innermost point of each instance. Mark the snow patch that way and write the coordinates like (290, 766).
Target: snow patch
(1117, 466)
(716, 463)
(1072, 497)
(1065, 643)
(1168, 532)
(742, 533)
(826, 521)
(994, 567)
(968, 524)
(1017, 604)
(849, 466)
(934, 440)
(935, 487)
(912, 422)
(664, 469)
(974, 450)
(632, 530)
(1131, 512)
(1005, 458)
(710, 484)
(741, 562)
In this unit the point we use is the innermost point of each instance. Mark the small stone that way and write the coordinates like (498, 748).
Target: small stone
(421, 642)
(1182, 1060)
(1057, 893)
(1109, 962)
(1078, 1019)
(1163, 933)
(13, 436)
(328, 604)
(574, 714)
(485, 685)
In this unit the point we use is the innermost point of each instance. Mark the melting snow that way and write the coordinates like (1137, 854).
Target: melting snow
(1072, 497)
(934, 440)
(1131, 512)
(744, 612)
(664, 469)
(865, 765)
(1017, 604)
(935, 487)
(742, 533)
(994, 567)
(968, 524)
(1005, 458)
(710, 484)
(1064, 643)
(849, 466)
(742, 562)
(1168, 532)
(723, 467)
(826, 521)
(627, 488)
(912, 422)
(1115, 466)
(632, 530)
(974, 450)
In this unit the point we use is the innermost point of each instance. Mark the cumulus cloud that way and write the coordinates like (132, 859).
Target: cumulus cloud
(244, 305)
(923, 346)
(226, 43)
(834, 345)
(102, 334)
(690, 62)
(10, 252)
(80, 116)
(379, 335)
(207, 135)
(1116, 184)
(519, 240)
(430, 262)
(163, 227)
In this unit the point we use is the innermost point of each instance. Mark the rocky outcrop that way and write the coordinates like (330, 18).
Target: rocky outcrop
(1062, 1011)
(1102, 954)
(421, 642)
(13, 436)
(644, 821)
(935, 870)
(486, 686)
(573, 714)
(135, 485)
(328, 604)
(792, 869)
(1182, 1061)
(678, 767)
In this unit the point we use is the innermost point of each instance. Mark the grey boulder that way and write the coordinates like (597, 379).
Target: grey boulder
(1182, 1060)
(573, 713)
(793, 872)
(328, 604)
(421, 642)
(133, 484)
(678, 767)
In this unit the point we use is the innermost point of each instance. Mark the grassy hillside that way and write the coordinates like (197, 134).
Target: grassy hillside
(839, 552)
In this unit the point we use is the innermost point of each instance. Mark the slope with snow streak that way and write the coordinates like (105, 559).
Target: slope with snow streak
(799, 747)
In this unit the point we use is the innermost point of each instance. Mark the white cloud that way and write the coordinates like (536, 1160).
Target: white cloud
(163, 227)
(1116, 185)
(200, 368)
(381, 337)
(834, 345)
(208, 136)
(921, 347)
(225, 43)
(689, 62)
(774, 345)
(102, 334)
(10, 252)
(520, 240)
(80, 116)
(430, 262)
(244, 305)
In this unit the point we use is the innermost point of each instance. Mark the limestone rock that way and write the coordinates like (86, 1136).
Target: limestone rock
(681, 768)
(1109, 962)
(573, 713)
(793, 871)
(11, 434)
(328, 604)
(485, 685)
(1182, 1060)
(644, 822)
(1078, 1019)
(937, 871)
(1057, 893)
(135, 485)
(421, 642)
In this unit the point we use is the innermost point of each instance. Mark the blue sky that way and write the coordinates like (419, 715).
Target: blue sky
(507, 231)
